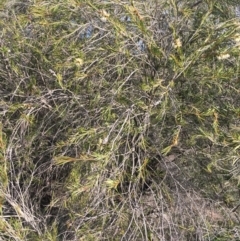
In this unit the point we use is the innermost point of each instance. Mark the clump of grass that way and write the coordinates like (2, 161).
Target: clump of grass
(119, 120)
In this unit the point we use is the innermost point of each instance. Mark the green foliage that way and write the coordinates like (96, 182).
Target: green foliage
(119, 120)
